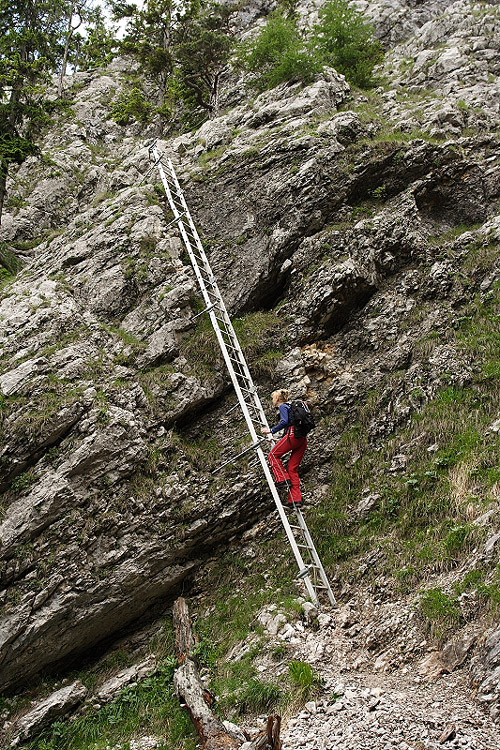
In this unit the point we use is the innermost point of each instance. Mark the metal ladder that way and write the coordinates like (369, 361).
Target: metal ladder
(311, 572)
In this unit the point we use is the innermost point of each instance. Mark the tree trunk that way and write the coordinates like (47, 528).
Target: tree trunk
(69, 35)
(198, 699)
(189, 687)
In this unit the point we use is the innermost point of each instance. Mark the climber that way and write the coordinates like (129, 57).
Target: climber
(286, 479)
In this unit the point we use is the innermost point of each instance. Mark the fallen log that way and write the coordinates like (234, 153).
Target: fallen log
(198, 700)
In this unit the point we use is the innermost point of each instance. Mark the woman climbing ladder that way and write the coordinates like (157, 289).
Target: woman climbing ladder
(286, 478)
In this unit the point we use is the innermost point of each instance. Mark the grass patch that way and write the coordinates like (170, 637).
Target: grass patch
(441, 611)
(202, 352)
(150, 703)
(423, 522)
(203, 453)
(35, 415)
(305, 681)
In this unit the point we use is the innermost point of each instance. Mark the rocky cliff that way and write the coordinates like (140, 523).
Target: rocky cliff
(355, 239)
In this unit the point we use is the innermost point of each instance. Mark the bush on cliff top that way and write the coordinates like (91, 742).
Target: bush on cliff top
(279, 53)
(341, 39)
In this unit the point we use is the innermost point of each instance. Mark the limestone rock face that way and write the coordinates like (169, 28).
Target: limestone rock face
(114, 397)
(486, 672)
(59, 703)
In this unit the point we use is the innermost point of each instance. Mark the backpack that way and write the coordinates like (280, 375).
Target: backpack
(301, 418)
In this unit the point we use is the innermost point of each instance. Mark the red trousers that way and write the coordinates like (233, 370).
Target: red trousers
(298, 447)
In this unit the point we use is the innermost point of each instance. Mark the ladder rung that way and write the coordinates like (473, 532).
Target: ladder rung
(174, 221)
(236, 361)
(249, 390)
(239, 374)
(230, 335)
(259, 421)
(230, 346)
(210, 283)
(208, 279)
(207, 309)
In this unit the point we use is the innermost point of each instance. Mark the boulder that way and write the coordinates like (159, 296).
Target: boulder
(56, 706)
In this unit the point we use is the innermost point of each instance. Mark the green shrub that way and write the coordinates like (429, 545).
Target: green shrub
(279, 53)
(205, 652)
(9, 262)
(23, 482)
(341, 39)
(458, 537)
(131, 105)
(345, 41)
(152, 703)
(258, 696)
(440, 609)
(304, 679)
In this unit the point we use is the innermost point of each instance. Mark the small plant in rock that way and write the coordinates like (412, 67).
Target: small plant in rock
(441, 610)
(258, 696)
(23, 482)
(459, 537)
(279, 651)
(304, 679)
(380, 192)
(205, 652)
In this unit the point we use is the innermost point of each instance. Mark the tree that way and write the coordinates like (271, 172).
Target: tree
(31, 34)
(341, 39)
(76, 13)
(183, 47)
(344, 40)
(97, 48)
(148, 37)
(202, 45)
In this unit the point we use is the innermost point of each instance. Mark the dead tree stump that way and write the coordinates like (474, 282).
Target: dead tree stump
(190, 690)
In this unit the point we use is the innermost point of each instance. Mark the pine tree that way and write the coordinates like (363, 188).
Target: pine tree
(98, 47)
(148, 37)
(31, 47)
(202, 46)
(182, 47)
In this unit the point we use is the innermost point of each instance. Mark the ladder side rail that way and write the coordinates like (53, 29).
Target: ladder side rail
(222, 308)
(212, 315)
(286, 524)
(227, 319)
(315, 557)
(177, 216)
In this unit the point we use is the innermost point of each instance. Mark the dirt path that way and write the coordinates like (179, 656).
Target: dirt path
(373, 711)
(370, 701)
